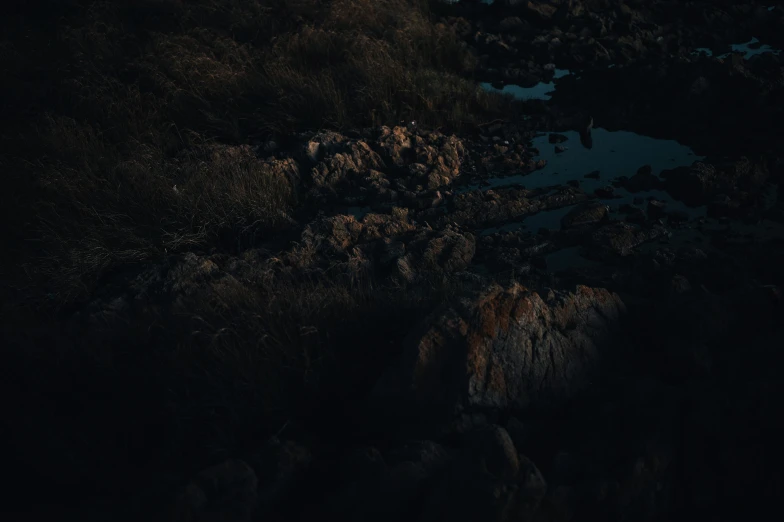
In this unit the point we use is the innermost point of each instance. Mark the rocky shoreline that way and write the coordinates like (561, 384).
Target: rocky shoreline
(610, 348)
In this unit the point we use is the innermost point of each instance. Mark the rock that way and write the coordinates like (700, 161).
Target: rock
(605, 192)
(585, 214)
(501, 205)
(656, 209)
(541, 10)
(643, 180)
(560, 148)
(224, 492)
(349, 159)
(322, 144)
(441, 252)
(503, 349)
(443, 156)
(593, 175)
(702, 181)
(622, 238)
(556, 138)
(397, 145)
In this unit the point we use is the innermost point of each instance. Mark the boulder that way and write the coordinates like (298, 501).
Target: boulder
(503, 349)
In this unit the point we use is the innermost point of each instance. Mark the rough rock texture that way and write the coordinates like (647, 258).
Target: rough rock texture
(623, 238)
(587, 214)
(506, 349)
(496, 206)
(351, 159)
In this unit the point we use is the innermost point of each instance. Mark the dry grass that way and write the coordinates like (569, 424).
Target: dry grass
(124, 100)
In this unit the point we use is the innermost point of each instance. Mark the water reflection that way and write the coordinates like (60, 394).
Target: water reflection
(614, 154)
(749, 49)
(540, 91)
(358, 212)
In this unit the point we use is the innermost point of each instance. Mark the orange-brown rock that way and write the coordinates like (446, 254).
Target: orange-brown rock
(505, 349)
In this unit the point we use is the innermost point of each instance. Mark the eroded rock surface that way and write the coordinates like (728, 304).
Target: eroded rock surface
(506, 349)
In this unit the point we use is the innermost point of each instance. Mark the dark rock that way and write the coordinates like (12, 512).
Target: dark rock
(703, 181)
(556, 138)
(643, 180)
(585, 214)
(623, 238)
(605, 192)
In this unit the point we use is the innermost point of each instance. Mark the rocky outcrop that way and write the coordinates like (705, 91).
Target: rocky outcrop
(505, 349)
(429, 252)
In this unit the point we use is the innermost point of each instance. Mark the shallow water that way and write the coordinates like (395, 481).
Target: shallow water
(613, 154)
(540, 91)
(567, 258)
(741, 48)
(358, 212)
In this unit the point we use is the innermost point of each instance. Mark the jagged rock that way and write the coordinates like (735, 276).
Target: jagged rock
(505, 349)
(351, 159)
(443, 157)
(443, 252)
(322, 144)
(338, 234)
(397, 145)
